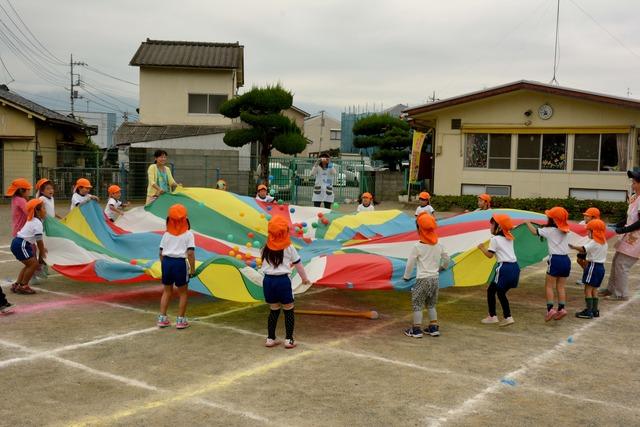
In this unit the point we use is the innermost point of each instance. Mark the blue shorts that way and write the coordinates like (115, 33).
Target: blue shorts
(22, 249)
(174, 271)
(277, 289)
(593, 274)
(507, 275)
(559, 265)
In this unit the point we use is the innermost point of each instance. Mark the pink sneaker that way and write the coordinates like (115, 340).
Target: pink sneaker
(289, 344)
(182, 323)
(163, 321)
(550, 314)
(272, 343)
(560, 314)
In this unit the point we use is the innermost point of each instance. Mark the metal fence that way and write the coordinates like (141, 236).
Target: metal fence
(290, 176)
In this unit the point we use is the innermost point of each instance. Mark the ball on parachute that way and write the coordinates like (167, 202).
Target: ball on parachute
(230, 237)
(250, 235)
(292, 210)
(336, 205)
(256, 244)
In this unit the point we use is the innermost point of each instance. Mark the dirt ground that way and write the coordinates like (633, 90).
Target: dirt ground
(79, 354)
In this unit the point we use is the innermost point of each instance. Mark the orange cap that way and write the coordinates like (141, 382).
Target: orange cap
(485, 197)
(16, 184)
(83, 182)
(424, 195)
(41, 182)
(592, 212)
(278, 234)
(560, 216)
(262, 187)
(31, 208)
(598, 229)
(177, 220)
(505, 224)
(367, 196)
(427, 229)
(113, 189)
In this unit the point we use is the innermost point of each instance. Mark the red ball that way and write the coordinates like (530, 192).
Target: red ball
(325, 221)
(250, 235)
(133, 262)
(320, 214)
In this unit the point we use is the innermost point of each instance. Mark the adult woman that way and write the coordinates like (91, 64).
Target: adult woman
(627, 248)
(159, 176)
(324, 172)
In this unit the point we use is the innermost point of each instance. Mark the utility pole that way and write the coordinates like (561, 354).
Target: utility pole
(73, 94)
(321, 132)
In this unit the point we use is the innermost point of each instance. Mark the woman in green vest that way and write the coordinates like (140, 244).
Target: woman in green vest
(159, 176)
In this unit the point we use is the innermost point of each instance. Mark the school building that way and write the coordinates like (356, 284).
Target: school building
(529, 139)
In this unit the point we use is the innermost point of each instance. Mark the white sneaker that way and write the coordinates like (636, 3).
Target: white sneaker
(490, 320)
(289, 344)
(508, 321)
(271, 343)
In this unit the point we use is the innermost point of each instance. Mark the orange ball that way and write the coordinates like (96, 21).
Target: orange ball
(239, 256)
(232, 253)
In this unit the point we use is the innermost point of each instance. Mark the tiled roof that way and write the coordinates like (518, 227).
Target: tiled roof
(132, 132)
(184, 54)
(39, 110)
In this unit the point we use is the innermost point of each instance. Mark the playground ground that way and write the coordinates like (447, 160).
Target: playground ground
(80, 354)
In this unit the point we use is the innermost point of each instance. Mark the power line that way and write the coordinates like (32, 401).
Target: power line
(33, 35)
(106, 94)
(7, 70)
(95, 70)
(554, 80)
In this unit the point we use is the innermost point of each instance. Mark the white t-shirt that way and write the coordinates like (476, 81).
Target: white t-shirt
(363, 208)
(290, 257)
(78, 199)
(596, 252)
(428, 209)
(177, 246)
(557, 240)
(503, 248)
(49, 205)
(267, 199)
(31, 231)
(428, 258)
(108, 212)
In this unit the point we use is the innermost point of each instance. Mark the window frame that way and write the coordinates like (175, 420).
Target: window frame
(540, 149)
(207, 103)
(462, 185)
(616, 190)
(337, 132)
(598, 170)
(488, 152)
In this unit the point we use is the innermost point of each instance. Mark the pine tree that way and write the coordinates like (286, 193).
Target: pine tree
(390, 135)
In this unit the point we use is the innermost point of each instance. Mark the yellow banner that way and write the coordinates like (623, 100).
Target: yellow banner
(416, 149)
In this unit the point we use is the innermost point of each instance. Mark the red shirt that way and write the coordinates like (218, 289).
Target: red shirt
(18, 214)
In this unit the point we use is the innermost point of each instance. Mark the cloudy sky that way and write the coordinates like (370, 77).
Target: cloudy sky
(334, 54)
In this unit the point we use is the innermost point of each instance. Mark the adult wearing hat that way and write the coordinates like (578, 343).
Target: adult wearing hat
(324, 172)
(628, 247)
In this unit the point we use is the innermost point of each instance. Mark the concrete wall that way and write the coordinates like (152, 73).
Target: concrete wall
(505, 114)
(15, 123)
(388, 185)
(164, 94)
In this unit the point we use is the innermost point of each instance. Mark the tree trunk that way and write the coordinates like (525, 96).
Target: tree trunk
(265, 151)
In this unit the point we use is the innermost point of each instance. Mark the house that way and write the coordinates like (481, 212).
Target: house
(324, 133)
(104, 122)
(529, 139)
(35, 140)
(296, 114)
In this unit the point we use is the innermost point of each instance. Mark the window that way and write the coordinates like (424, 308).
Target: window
(494, 190)
(601, 152)
(547, 152)
(491, 151)
(590, 194)
(205, 103)
(335, 134)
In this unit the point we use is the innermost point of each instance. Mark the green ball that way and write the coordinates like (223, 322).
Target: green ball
(272, 192)
(256, 244)
(280, 201)
(314, 225)
(336, 205)
(230, 237)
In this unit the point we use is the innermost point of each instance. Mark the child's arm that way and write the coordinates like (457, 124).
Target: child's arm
(580, 249)
(533, 230)
(42, 251)
(160, 255)
(191, 256)
(116, 210)
(411, 263)
(445, 261)
(302, 272)
(485, 251)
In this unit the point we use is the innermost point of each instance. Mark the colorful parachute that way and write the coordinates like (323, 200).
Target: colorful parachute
(364, 251)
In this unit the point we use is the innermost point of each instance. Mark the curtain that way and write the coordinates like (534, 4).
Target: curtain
(622, 140)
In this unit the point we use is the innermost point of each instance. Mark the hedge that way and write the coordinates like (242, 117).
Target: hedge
(612, 211)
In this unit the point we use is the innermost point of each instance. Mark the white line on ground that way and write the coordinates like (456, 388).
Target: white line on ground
(607, 403)
(468, 405)
(4, 246)
(7, 260)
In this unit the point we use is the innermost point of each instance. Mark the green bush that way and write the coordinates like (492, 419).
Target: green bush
(611, 211)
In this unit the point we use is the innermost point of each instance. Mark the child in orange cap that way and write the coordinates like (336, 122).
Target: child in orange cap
(507, 273)
(581, 258)
(45, 190)
(81, 193)
(596, 255)
(430, 258)
(177, 258)
(115, 207)
(262, 195)
(22, 246)
(484, 202)
(221, 184)
(424, 199)
(556, 231)
(278, 256)
(19, 192)
(366, 203)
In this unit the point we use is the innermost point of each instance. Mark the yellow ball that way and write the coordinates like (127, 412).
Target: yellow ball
(239, 256)
(232, 253)
(241, 213)
(249, 244)
(236, 248)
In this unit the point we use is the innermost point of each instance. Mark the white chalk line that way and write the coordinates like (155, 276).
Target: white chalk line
(468, 405)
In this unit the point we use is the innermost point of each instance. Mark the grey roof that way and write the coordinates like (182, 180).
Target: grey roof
(132, 132)
(184, 54)
(39, 110)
